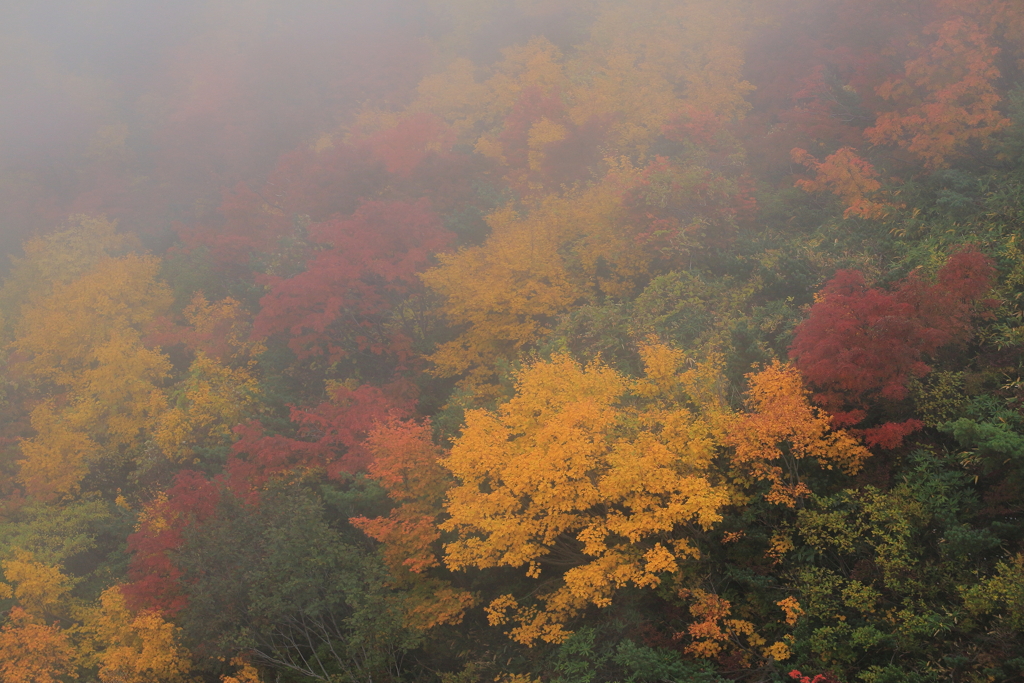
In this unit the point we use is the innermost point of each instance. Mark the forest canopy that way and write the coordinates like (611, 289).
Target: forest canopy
(456, 341)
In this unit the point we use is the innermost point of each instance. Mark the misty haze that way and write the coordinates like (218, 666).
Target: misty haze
(460, 341)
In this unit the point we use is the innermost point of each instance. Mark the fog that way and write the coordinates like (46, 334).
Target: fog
(144, 110)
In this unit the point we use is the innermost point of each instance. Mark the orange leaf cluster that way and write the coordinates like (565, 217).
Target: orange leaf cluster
(780, 428)
(847, 176)
(947, 97)
(406, 463)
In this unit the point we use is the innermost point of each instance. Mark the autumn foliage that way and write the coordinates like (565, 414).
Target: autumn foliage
(570, 341)
(861, 344)
(561, 479)
(364, 266)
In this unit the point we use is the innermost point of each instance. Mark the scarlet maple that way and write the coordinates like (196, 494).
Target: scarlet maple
(364, 266)
(861, 345)
(331, 436)
(154, 577)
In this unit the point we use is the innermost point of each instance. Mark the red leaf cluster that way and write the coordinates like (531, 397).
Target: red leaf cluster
(362, 266)
(862, 345)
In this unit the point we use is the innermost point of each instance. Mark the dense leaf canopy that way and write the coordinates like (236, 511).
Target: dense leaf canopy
(464, 341)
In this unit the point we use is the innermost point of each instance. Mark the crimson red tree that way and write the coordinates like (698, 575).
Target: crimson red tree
(862, 345)
(364, 265)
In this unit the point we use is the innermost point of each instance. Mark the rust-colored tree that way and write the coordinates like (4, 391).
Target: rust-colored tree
(407, 464)
(947, 98)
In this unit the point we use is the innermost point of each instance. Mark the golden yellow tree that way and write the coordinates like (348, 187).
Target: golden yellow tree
(568, 476)
(83, 343)
(38, 588)
(31, 649)
(221, 386)
(506, 292)
(63, 256)
(647, 60)
(132, 648)
(31, 652)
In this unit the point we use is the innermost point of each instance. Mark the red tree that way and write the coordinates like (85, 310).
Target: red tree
(154, 579)
(365, 264)
(862, 345)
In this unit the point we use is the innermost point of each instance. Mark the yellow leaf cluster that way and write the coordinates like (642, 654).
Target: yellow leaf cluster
(31, 652)
(84, 340)
(246, 673)
(227, 321)
(645, 61)
(640, 65)
(211, 400)
(60, 257)
(220, 388)
(38, 588)
(132, 648)
(791, 606)
(566, 476)
(506, 291)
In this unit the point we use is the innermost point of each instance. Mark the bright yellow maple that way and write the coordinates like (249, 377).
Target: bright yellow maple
(60, 257)
(132, 648)
(221, 387)
(82, 344)
(566, 476)
(31, 652)
(506, 292)
(38, 588)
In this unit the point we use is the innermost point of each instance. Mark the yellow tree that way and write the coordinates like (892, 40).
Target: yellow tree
(568, 476)
(132, 648)
(647, 60)
(642, 63)
(506, 292)
(83, 342)
(60, 257)
(221, 387)
(31, 652)
(38, 588)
